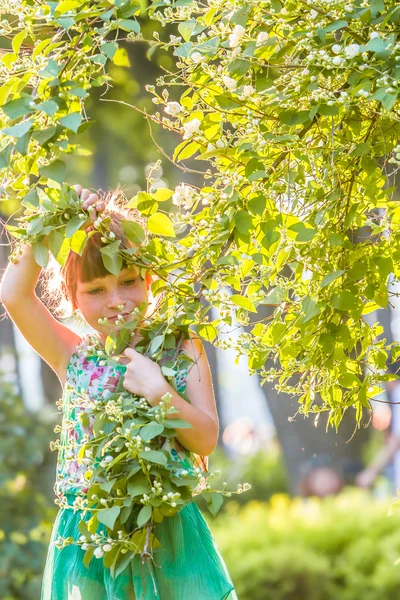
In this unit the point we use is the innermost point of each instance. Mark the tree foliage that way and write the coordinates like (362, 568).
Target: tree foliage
(295, 109)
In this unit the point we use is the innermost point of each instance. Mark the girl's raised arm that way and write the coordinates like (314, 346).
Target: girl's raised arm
(52, 341)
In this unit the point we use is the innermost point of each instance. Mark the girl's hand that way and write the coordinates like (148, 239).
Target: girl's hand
(144, 377)
(88, 200)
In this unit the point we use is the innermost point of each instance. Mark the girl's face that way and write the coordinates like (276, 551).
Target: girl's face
(101, 297)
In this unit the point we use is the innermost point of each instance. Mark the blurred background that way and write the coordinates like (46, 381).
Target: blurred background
(315, 524)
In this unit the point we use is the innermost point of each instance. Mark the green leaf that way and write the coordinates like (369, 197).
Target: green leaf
(78, 241)
(50, 70)
(138, 485)
(377, 44)
(56, 171)
(243, 302)
(31, 199)
(133, 231)
(88, 556)
(344, 301)
(73, 225)
(254, 170)
(177, 424)
(238, 67)
(129, 25)
(41, 253)
(214, 502)
(162, 194)
(188, 151)
(310, 309)
(292, 117)
(121, 58)
(49, 107)
(18, 108)
(160, 224)
(109, 49)
(18, 39)
(331, 277)
(156, 343)
(243, 222)
(151, 430)
(18, 130)
(154, 456)
(108, 516)
(207, 331)
(349, 380)
(209, 47)
(186, 28)
(55, 242)
(35, 225)
(44, 135)
(113, 264)
(72, 121)
(144, 515)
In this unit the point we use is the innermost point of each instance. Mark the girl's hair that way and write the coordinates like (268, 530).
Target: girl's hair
(59, 282)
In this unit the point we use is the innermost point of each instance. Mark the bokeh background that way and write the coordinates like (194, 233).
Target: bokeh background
(306, 530)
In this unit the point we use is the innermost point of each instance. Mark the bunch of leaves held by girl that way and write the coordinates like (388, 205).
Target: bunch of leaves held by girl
(139, 416)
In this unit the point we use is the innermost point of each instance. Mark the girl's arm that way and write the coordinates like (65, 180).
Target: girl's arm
(144, 377)
(52, 341)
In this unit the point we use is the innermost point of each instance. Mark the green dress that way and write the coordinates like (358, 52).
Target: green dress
(188, 566)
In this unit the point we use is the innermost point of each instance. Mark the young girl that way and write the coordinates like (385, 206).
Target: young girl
(188, 564)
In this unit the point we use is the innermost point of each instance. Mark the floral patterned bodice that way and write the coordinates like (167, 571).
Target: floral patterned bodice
(95, 378)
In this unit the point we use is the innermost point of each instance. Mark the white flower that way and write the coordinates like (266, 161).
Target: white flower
(248, 90)
(230, 83)
(108, 459)
(183, 196)
(336, 48)
(190, 128)
(207, 199)
(374, 34)
(197, 57)
(262, 37)
(236, 35)
(173, 108)
(98, 553)
(107, 548)
(337, 60)
(352, 50)
(85, 546)
(313, 14)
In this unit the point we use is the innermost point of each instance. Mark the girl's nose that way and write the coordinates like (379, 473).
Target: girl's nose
(114, 300)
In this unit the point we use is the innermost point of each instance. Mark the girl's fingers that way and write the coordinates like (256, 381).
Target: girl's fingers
(90, 200)
(78, 189)
(85, 194)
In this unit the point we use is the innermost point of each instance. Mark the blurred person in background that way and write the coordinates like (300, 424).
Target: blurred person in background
(386, 417)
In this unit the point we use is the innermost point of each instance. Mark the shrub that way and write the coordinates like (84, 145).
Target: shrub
(285, 549)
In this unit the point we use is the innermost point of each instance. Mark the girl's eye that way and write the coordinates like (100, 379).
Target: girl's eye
(129, 282)
(95, 291)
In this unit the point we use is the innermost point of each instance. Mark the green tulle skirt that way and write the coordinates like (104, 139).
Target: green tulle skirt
(188, 565)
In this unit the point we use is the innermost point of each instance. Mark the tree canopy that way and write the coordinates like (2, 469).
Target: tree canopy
(292, 110)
